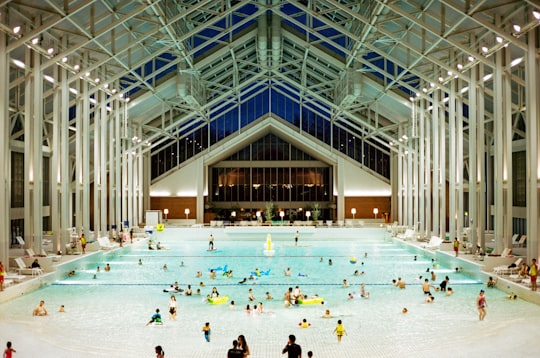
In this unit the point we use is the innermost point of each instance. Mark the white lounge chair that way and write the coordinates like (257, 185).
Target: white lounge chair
(24, 270)
(106, 244)
(513, 268)
(54, 257)
(434, 243)
(15, 277)
(521, 241)
(407, 235)
(20, 240)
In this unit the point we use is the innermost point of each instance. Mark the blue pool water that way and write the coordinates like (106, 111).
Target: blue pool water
(115, 305)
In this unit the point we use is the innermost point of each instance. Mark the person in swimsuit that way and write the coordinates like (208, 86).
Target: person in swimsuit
(211, 243)
(207, 331)
(533, 273)
(156, 318)
(481, 305)
(173, 305)
(40, 309)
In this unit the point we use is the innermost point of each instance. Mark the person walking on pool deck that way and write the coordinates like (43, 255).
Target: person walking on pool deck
(235, 352)
(293, 349)
(83, 243)
(211, 243)
(533, 273)
(2, 273)
(456, 246)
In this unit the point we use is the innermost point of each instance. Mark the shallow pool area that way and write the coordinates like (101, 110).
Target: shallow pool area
(107, 315)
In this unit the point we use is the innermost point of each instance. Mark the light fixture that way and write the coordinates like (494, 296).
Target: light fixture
(64, 59)
(165, 212)
(16, 30)
(308, 214)
(375, 212)
(536, 15)
(353, 212)
(35, 40)
(282, 215)
(76, 67)
(186, 211)
(50, 50)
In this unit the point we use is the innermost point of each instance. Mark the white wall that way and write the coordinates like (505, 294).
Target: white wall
(358, 182)
(182, 182)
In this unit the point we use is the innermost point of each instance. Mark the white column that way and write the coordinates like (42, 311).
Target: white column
(442, 173)
(473, 170)
(435, 190)
(5, 155)
(481, 160)
(421, 168)
(508, 133)
(497, 150)
(532, 74)
(452, 212)
(459, 160)
(103, 162)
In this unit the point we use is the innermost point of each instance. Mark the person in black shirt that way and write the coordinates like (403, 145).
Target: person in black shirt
(293, 349)
(235, 352)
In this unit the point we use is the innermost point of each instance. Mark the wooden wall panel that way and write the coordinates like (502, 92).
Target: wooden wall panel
(176, 205)
(364, 207)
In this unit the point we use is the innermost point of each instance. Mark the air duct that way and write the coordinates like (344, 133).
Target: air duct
(276, 40)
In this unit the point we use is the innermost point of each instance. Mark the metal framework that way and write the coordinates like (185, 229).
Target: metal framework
(448, 87)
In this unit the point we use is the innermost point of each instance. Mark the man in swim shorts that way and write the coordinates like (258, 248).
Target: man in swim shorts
(425, 287)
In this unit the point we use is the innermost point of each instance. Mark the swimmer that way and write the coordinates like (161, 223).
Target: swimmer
(201, 284)
(365, 254)
(449, 291)
(198, 292)
(107, 267)
(62, 309)
(248, 309)
(355, 273)
(232, 306)
(269, 296)
(260, 307)
(158, 246)
(304, 323)
(327, 314)
(243, 281)
(212, 274)
(198, 274)
(188, 291)
(363, 292)
(287, 272)
(140, 263)
(181, 263)
(165, 268)
(345, 283)
(404, 310)
(156, 318)
(512, 297)
(250, 295)
(40, 309)
(400, 283)
(433, 276)
(98, 269)
(214, 293)
(430, 298)
(321, 260)
(330, 263)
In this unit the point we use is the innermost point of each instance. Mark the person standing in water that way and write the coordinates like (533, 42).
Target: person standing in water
(296, 236)
(211, 243)
(481, 305)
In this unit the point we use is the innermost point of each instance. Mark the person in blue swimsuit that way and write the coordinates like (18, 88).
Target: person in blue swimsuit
(156, 318)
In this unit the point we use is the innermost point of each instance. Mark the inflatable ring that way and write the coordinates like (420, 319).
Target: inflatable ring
(310, 301)
(218, 300)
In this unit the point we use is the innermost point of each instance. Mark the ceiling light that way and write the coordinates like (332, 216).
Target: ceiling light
(19, 64)
(424, 90)
(517, 28)
(536, 15)
(431, 84)
(114, 90)
(35, 40)
(449, 73)
(459, 66)
(87, 74)
(73, 90)
(97, 80)
(50, 50)
(441, 79)
(516, 62)
(485, 49)
(76, 67)
(49, 78)
(471, 59)
(106, 85)
(499, 39)
(16, 29)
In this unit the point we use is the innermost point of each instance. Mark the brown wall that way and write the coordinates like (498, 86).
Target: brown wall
(364, 207)
(176, 206)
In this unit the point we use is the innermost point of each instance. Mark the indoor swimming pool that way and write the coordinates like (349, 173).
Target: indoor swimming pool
(106, 312)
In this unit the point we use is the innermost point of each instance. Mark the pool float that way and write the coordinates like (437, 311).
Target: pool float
(218, 300)
(269, 247)
(353, 260)
(310, 301)
(260, 273)
(219, 268)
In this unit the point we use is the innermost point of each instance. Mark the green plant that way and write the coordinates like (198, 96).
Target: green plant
(269, 211)
(316, 211)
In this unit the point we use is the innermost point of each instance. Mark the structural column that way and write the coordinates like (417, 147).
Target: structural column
(5, 157)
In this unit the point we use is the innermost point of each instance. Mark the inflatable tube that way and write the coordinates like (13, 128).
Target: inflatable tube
(261, 273)
(311, 301)
(218, 300)
(219, 268)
